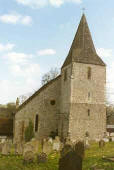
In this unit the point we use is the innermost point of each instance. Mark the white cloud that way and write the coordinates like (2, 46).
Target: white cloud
(20, 58)
(33, 3)
(75, 1)
(29, 71)
(56, 3)
(26, 20)
(42, 3)
(16, 19)
(45, 52)
(6, 47)
(110, 83)
(107, 55)
(104, 52)
(10, 90)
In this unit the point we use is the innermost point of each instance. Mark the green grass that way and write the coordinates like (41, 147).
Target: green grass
(92, 156)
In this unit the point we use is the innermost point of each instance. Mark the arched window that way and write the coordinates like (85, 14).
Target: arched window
(89, 96)
(36, 123)
(89, 73)
(88, 112)
(87, 134)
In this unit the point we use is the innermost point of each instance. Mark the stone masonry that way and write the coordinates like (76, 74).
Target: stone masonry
(73, 103)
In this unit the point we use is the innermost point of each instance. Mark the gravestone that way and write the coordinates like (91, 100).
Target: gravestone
(86, 143)
(35, 143)
(50, 140)
(19, 149)
(1, 145)
(47, 147)
(101, 144)
(72, 157)
(67, 148)
(6, 148)
(28, 148)
(28, 157)
(56, 144)
(106, 139)
(42, 158)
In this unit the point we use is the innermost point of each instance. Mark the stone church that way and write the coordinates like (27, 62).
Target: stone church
(73, 104)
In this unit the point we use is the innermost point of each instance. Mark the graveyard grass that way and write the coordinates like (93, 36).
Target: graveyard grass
(92, 156)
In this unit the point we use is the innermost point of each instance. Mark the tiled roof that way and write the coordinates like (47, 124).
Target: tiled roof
(82, 49)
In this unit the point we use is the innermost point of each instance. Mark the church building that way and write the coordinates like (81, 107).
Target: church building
(73, 104)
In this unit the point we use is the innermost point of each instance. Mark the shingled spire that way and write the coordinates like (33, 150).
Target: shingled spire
(82, 49)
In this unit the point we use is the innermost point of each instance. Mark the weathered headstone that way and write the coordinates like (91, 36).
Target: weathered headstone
(28, 148)
(6, 148)
(1, 145)
(19, 149)
(106, 139)
(50, 140)
(47, 147)
(35, 143)
(56, 144)
(42, 158)
(28, 157)
(86, 143)
(101, 144)
(67, 148)
(72, 159)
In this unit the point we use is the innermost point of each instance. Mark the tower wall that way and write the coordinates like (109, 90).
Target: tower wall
(88, 111)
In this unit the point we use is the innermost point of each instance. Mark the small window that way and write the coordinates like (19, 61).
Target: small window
(52, 102)
(88, 112)
(89, 73)
(87, 134)
(65, 75)
(36, 123)
(89, 95)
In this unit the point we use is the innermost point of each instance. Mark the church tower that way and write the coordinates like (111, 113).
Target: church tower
(83, 80)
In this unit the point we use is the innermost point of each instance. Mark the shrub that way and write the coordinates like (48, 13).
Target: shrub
(29, 132)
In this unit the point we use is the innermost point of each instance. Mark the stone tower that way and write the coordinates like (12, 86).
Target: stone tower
(83, 79)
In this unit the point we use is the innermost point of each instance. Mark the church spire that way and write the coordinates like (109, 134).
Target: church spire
(82, 49)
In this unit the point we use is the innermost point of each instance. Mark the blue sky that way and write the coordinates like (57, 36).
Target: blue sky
(35, 36)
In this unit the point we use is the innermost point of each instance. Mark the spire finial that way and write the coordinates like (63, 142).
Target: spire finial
(83, 10)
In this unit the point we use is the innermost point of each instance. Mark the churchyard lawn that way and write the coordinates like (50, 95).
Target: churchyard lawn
(92, 156)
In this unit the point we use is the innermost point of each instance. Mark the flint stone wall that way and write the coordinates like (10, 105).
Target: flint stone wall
(70, 113)
(79, 120)
(40, 104)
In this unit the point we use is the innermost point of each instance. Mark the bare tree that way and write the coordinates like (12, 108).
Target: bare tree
(53, 73)
(24, 97)
(110, 113)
